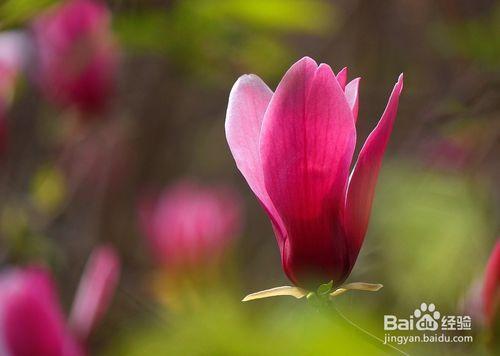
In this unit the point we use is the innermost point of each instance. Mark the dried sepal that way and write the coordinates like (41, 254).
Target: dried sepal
(295, 292)
(369, 287)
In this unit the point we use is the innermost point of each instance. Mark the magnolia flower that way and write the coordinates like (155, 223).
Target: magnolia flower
(491, 287)
(294, 147)
(189, 226)
(77, 55)
(31, 318)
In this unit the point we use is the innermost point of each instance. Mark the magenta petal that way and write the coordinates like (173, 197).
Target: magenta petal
(307, 141)
(248, 102)
(95, 290)
(491, 287)
(31, 321)
(342, 77)
(77, 57)
(352, 96)
(364, 177)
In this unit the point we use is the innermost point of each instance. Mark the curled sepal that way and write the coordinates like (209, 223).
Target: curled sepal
(277, 291)
(369, 287)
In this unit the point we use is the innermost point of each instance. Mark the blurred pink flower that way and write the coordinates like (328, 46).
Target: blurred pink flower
(12, 56)
(491, 287)
(294, 147)
(190, 226)
(31, 318)
(77, 55)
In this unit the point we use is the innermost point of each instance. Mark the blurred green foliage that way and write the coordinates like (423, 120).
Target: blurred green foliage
(23, 243)
(48, 190)
(225, 326)
(430, 228)
(476, 39)
(203, 36)
(15, 12)
(23, 223)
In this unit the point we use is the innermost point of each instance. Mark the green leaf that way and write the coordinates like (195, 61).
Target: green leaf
(325, 289)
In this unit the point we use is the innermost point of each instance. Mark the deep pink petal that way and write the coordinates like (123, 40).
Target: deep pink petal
(491, 287)
(248, 102)
(95, 291)
(362, 183)
(307, 141)
(352, 96)
(31, 320)
(77, 54)
(342, 77)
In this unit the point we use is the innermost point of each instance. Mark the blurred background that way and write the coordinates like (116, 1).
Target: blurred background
(103, 120)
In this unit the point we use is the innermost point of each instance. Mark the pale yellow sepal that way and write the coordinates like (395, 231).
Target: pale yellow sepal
(369, 287)
(278, 291)
(301, 293)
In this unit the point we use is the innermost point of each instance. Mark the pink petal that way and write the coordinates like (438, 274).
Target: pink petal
(307, 141)
(14, 47)
(31, 320)
(248, 102)
(491, 287)
(352, 96)
(190, 226)
(364, 177)
(77, 54)
(95, 290)
(342, 77)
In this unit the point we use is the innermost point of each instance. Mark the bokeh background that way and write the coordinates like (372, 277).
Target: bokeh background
(68, 184)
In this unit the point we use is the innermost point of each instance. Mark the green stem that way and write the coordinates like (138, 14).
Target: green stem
(369, 337)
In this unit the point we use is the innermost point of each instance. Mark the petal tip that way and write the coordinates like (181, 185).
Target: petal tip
(247, 79)
(307, 61)
(399, 84)
(324, 66)
(343, 71)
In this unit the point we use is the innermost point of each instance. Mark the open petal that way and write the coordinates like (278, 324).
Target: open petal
(95, 291)
(342, 77)
(364, 177)
(248, 102)
(307, 141)
(352, 96)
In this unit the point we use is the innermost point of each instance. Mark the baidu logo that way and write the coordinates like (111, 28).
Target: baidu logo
(427, 318)
(431, 324)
